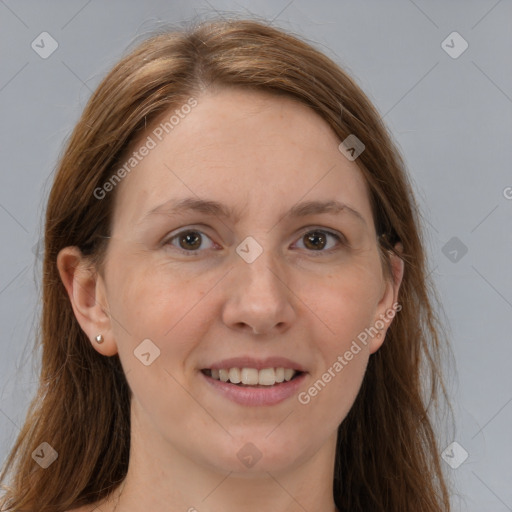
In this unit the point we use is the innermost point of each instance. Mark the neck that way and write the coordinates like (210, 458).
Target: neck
(160, 478)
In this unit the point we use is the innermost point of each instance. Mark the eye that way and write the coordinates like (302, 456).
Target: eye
(188, 241)
(316, 240)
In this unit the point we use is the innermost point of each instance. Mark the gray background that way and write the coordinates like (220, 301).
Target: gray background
(451, 118)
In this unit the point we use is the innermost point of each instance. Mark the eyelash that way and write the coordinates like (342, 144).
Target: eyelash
(339, 237)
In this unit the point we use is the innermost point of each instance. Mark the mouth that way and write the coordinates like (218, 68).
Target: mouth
(253, 377)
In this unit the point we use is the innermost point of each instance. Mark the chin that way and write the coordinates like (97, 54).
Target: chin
(252, 456)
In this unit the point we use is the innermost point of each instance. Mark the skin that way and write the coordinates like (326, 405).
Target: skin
(260, 155)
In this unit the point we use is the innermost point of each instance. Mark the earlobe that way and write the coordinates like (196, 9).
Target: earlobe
(86, 292)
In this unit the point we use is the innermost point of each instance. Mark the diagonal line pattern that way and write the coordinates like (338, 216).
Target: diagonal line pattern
(491, 80)
(286, 491)
(281, 11)
(217, 486)
(425, 14)
(413, 87)
(73, 17)
(8, 417)
(485, 15)
(431, 272)
(14, 218)
(280, 423)
(481, 222)
(13, 13)
(491, 491)
(13, 279)
(501, 409)
(432, 226)
(13, 77)
(81, 81)
(503, 297)
(216, 10)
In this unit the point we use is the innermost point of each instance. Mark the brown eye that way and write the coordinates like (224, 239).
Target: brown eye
(318, 239)
(189, 241)
(315, 240)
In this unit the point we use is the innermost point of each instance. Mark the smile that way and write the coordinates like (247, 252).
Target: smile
(252, 387)
(252, 376)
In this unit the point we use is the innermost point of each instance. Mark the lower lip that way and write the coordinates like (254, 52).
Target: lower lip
(270, 395)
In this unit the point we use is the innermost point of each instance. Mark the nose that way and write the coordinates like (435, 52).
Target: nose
(258, 297)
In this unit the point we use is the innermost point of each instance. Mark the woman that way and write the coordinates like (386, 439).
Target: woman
(236, 309)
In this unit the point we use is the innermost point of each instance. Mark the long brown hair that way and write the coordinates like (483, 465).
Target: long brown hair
(387, 457)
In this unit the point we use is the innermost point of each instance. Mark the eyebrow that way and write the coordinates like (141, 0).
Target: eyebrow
(210, 207)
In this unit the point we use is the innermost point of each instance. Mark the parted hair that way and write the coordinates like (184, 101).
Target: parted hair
(387, 456)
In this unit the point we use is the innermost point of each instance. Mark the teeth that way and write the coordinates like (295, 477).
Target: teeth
(288, 373)
(254, 377)
(249, 376)
(267, 377)
(234, 375)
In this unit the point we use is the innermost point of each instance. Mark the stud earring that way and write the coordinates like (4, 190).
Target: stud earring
(99, 339)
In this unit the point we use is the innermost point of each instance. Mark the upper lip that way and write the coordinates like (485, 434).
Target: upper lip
(258, 364)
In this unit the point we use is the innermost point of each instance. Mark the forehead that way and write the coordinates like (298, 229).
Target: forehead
(252, 151)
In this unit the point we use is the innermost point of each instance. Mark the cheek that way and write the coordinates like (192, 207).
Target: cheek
(153, 299)
(148, 302)
(151, 304)
(333, 388)
(346, 306)
(347, 300)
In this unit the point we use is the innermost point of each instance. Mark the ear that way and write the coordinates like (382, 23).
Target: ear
(388, 305)
(87, 294)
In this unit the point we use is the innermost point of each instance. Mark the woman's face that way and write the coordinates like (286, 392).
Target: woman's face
(258, 276)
